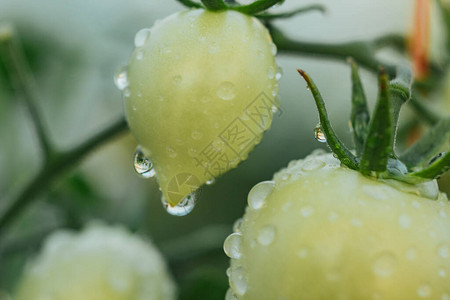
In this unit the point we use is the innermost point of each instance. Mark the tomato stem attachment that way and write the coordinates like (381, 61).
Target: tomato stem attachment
(214, 5)
(257, 7)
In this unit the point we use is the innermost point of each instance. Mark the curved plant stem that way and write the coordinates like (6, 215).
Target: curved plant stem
(56, 166)
(256, 7)
(301, 10)
(362, 52)
(190, 4)
(25, 86)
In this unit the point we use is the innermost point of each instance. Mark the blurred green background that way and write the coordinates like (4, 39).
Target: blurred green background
(74, 48)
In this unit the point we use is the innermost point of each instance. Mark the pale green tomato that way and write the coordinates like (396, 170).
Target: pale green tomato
(201, 91)
(101, 263)
(322, 231)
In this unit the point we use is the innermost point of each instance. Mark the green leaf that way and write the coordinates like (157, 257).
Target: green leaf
(301, 10)
(435, 169)
(360, 112)
(256, 7)
(336, 146)
(378, 144)
(424, 149)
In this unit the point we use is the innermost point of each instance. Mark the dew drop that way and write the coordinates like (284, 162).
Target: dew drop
(140, 55)
(210, 181)
(172, 153)
(238, 280)
(442, 214)
(226, 91)
(332, 216)
(356, 222)
(287, 206)
(443, 251)
(404, 221)
(318, 134)
(384, 264)
(266, 235)
(307, 211)
(142, 165)
(192, 152)
(232, 245)
(442, 273)
(279, 73)
(424, 291)
(237, 225)
(213, 48)
(230, 295)
(141, 37)
(273, 49)
(312, 164)
(184, 207)
(196, 135)
(445, 297)
(259, 193)
(271, 72)
(120, 78)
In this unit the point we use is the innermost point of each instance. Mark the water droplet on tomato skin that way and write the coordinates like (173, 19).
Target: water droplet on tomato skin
(184, 207)
(259, 193)
(384, 264)
(121, 78)
(141, 37)
(312, 164)
(307, 211)
(142, 165)
(232, 245)
(266, 235)
(238, 280)
(230, 295)
(424, 291)
(226, 91)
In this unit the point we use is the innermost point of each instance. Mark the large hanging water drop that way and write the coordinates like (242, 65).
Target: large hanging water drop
(232, 245)
(120, 78)
(319, 135)
(259, 193)
(141, 37)
(184, 207)
(142, 165)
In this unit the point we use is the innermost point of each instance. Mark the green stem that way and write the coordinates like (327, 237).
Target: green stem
(256, 7)
(190, 4)
(363, 51)
(425, 148)
(301, 10)
(336, 146)
(25, 85)
(55, 167)
(435, 169)
(214, 5)
(423, 110)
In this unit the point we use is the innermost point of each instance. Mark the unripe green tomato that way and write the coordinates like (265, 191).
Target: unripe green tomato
(323, 231)
(100, 263)
(201, 91)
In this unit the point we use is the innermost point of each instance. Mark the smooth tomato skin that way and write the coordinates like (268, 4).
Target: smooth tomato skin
(200, 95)
(328, 232)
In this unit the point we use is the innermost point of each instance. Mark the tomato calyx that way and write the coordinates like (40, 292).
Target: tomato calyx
(374, 136)
(257, 8)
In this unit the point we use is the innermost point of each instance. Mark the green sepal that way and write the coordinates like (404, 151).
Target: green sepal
(336, 146)
(214, 5)
(379, 142)
(256, 7)
(190, 4)
(424, 149)
(435, 169)
(301, 10)
(360, 112)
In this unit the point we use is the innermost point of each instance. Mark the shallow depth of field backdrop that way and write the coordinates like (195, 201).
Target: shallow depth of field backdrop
(74, 48)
